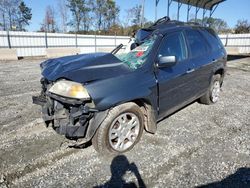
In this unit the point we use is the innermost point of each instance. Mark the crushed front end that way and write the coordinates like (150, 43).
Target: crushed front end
(68, 115)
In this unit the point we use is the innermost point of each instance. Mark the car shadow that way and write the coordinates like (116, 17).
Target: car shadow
(119, 167)
(234, 57)
(240, 179)
(175, 112)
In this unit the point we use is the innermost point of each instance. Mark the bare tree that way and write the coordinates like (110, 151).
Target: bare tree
(63, 12)
(8, 11)
(242, 26)
(49, 23)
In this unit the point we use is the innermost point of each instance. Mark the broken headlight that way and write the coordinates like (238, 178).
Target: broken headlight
(70, 89)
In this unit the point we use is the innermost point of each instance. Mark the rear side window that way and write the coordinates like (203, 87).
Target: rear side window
(196, 42)
(173, 45)
(212, 39)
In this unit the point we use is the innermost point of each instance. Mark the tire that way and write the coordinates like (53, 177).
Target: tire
(212, 95)
(124, 122)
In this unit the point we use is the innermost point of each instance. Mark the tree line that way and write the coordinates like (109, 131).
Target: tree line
(92, 17)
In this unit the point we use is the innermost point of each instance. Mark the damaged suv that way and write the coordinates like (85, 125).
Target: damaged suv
(110, 98)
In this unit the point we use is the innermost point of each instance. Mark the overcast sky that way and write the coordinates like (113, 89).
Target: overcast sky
(230, 10)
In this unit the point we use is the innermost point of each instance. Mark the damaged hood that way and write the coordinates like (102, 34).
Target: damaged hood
(84, 68)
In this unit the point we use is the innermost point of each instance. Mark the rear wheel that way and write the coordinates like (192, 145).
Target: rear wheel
(121, 129)
(212, 95)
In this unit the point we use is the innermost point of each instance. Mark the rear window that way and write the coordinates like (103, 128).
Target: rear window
(141, 35)
(212, 38)
(197, 44)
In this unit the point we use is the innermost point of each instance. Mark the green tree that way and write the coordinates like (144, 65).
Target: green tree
(219, 25)
(80, 12)
(99, 9)
(111, 14)
(24, 15)
(242, 26)
(136, 13)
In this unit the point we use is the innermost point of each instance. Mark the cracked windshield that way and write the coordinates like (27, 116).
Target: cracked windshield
(137, 57)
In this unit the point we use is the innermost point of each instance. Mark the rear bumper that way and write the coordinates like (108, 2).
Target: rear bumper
(71, 120)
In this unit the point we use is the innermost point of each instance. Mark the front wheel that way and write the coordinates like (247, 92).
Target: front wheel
(212, 95)
(121, 129)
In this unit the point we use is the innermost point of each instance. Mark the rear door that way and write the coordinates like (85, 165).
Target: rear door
(174, 82)
(202, 60)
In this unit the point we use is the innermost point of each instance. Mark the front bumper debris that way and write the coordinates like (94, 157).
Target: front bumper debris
(69, 120)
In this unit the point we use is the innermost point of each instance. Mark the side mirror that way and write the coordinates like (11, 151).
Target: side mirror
(166, 61)
(133, 46)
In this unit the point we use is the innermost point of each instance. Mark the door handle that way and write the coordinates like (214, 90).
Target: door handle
(190, 70)
(214, 61)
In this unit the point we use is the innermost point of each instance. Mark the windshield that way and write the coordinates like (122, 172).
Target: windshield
(137, 57)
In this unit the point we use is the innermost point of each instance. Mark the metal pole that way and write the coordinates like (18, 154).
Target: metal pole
(169, 3)
(188, 10)
(156, 4)
(95, 43)
(4, 23)
(155, 10)
(213, 9)
(142, 13)
(178, 12)
(203, 15)
(226, 40)
(8, 38)
(76, 41)
(115, 39)
(46, 40)
(196, 12)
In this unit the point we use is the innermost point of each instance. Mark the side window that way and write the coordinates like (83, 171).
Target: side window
(196, 42)
(173, 45)
(212, 39)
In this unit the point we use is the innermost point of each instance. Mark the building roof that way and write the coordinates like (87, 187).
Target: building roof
(205, 4)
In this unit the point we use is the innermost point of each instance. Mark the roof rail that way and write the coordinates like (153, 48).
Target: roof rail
(161, 20)
(193, 23)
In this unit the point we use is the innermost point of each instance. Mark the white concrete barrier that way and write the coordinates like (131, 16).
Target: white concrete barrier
(104, 49)
(232, 50)
(59, 52)
(8, 54)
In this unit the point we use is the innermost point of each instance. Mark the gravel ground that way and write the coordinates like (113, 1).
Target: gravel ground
(204, 146)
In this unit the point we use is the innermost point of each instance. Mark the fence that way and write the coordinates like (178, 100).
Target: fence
(35, 44)
(239, 41)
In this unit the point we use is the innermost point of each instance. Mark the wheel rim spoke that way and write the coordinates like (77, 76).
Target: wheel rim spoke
(216, 91)
(124, 131)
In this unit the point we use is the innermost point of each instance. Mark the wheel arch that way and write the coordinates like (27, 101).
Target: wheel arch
(221, 72)
(149, 114)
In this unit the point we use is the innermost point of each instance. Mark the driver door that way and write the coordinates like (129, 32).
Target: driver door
(175, 82)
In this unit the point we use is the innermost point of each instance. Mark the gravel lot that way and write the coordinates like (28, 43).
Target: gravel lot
(197, 146)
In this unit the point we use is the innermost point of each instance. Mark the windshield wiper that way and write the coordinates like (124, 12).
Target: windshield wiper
(114, 51)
